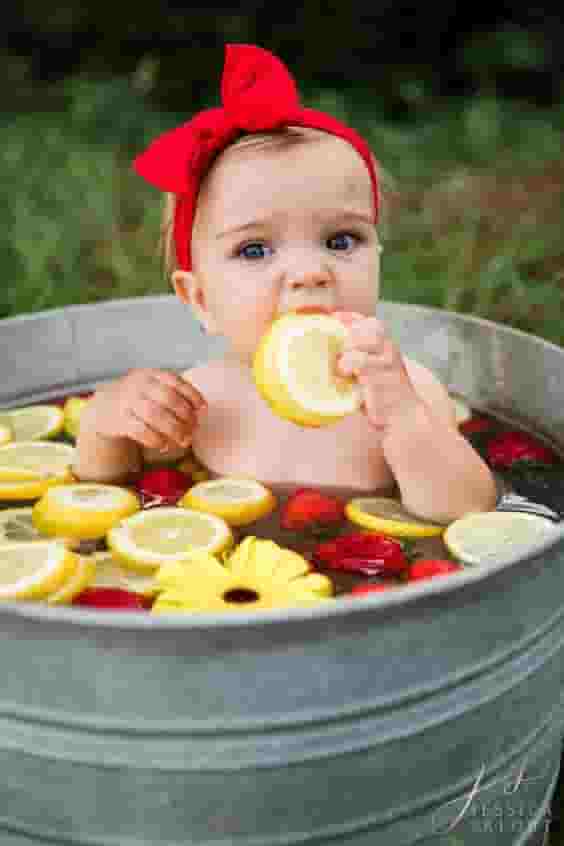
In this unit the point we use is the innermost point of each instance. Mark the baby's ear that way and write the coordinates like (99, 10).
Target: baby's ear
(188, 289)
(182, 282)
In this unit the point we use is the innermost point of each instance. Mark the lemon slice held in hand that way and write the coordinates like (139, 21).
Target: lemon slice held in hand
(238, 501)
(162, 535)
(34, 422)
(387, 515)
(34, 570)
(29, 468)
(84, 510)
(78, 580)
(482, 538)
(295, 370)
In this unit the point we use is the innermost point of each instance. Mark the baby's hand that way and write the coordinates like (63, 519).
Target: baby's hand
(155, 408)
(371, 356)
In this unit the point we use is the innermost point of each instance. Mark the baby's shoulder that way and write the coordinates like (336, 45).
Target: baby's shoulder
(214, 379)
(430, 389)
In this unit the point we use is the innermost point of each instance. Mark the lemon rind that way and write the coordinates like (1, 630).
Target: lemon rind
(60, 562)
(55, 519)
(395, 528)
(79, 580)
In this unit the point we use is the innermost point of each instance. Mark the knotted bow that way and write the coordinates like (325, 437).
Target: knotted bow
(258, 95)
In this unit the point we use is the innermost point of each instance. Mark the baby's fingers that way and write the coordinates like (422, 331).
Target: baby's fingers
(175, 430)
(182, 388)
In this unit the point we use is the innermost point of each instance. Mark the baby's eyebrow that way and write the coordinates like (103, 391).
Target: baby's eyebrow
(332, 218)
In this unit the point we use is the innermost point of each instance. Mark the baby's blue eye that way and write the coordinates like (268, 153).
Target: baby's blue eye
(341, 241)
(256, 250)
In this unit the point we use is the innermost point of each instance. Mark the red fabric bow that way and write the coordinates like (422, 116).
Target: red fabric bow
(258, 95)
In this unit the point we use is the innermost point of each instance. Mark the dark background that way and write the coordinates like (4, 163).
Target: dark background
(406, 54)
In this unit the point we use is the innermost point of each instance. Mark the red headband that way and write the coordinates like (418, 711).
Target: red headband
(258, 95)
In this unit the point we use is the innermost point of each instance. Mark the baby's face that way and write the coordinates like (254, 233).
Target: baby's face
(279, 229)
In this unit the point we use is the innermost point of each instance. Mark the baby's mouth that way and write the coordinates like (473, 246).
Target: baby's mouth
(312, 309)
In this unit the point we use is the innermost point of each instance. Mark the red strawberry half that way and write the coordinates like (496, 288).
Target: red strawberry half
(111, 598)
(307, 508)
(429, 567)
(163, 486)
(512, 446)
(475, 425)
(363, 590)
(362, 552)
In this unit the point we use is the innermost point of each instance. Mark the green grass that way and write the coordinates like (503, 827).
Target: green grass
(474, 207)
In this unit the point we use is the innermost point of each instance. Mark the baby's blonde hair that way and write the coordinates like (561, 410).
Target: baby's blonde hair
(283, 138)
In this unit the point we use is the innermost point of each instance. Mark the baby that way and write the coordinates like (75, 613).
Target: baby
(273, 208)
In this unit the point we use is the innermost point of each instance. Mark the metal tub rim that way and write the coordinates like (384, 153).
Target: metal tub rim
(331, 609)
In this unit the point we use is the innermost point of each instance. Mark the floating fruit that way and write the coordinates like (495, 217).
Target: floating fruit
(362, 552)
(16, 526)
(308, 507)
(34, 570)
(76, 582)
(110, 574)
(158, 536)
(72, 411)
(385, 514)
(29, 468)
(162, 486)
(364, 590)
(430, 567)
(295, 370)
(6, 433)
(487, 536)
(34, 422)
(511, 446)
(238, 501)
(115, 599)
(85, 510)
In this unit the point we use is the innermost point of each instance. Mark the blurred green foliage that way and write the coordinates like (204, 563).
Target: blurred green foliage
(474, 202)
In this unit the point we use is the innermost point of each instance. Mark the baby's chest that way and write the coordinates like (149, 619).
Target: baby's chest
(250, 440)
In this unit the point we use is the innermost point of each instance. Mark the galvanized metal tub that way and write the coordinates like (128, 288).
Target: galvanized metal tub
(430, 715)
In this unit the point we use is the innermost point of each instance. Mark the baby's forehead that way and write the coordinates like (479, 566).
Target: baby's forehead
(253, 156)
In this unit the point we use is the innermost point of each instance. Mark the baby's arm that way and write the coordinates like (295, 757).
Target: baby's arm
(440, 476)
(145, 409)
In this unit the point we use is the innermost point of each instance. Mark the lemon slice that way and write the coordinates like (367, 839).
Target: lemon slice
(80, 578)
(387, 515)
(484, 537)
(239, 501)
(110, 574)
(72, 410)
(29, 468)
(6, 433)
(34, 570)
(462, 410)
(16, 526)
(161, 535)
(295, 370)
(83, 510)
(34, 422)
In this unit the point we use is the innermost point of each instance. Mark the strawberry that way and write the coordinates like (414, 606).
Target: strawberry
(307, 508)
(512, 445)
(429, 567)
(163, 486)
(111, 598)
(475, 425)
(361, 590)
(362, 552)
